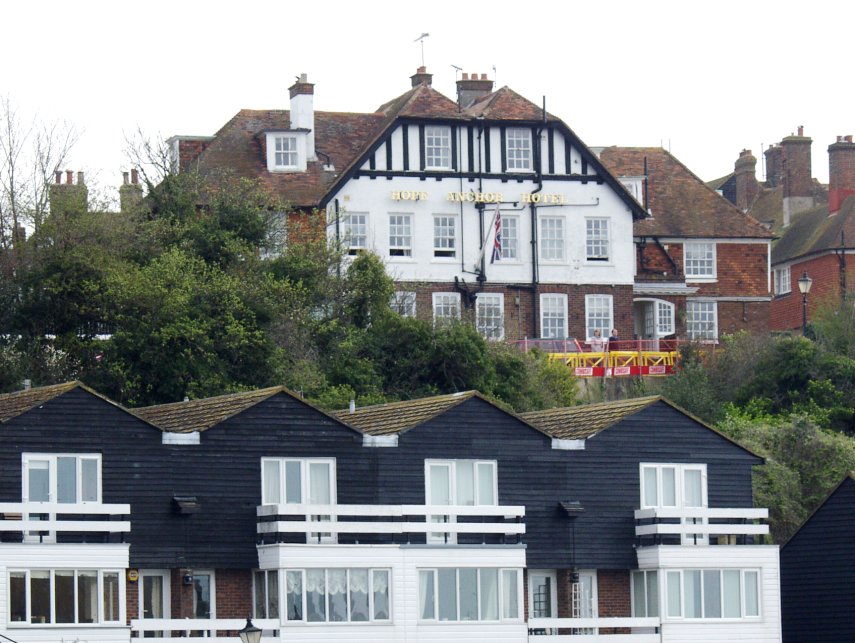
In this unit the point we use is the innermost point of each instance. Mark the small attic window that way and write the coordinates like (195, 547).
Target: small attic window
(286, 151)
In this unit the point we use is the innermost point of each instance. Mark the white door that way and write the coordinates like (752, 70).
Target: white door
(542, 597)
(154, 598)
(585, 599)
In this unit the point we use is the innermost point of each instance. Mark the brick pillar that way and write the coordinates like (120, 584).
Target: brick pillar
(841, 172)
(614, 597)
(798, 184)
(745, 170)
(234, 593)
(774, 165)
(132, 599)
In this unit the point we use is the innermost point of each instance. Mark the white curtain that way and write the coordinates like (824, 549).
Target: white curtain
(270, 474)
(426, 594)
(380, 581)
(337, 593)
(489, 594)
(465, 471)
(294, 589)
(510, 593)
(358, 583)
(319, 483)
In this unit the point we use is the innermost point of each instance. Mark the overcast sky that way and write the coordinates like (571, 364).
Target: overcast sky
(703, 79)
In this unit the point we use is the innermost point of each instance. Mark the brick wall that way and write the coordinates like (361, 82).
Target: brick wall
(188, 150)
(653, 264)
(746, 180)
(841, 172)
(519, 305)
(751, 316)
(613, 590)
(132, 603)
(786, 310)
(797, 166)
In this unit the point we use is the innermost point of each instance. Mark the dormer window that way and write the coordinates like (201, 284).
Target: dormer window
(286, 150)
(518, 149)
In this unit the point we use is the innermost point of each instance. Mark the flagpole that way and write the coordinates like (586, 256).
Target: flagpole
(490, 227)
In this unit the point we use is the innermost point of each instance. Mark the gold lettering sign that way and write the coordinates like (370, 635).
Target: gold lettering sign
(475, 197)
(541, 197)
(409, 195)
(481, 197)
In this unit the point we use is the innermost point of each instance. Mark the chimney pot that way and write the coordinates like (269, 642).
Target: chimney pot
(135, 176)
(483, 76)
(124, 178)
(422, 69)
(465, 76)
(848, 138)
(801, 130)
(68, 177)
(80, 178)
(58, 176)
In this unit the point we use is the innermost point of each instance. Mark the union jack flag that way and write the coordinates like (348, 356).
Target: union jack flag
(497, 239)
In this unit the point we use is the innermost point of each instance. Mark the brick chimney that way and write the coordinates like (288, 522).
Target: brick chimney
(130, 192)
(774, 165)
(68, 198)
(841, 172)
(470, 88)
(421, 77)
(747, 187)
(798, 185)
(303, 112)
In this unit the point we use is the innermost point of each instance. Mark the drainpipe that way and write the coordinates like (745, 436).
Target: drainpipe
(538, 177)
(337, 237)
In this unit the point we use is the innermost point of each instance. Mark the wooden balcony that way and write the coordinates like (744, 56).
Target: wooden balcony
(50, 521)
(701, 526)
(599, 630)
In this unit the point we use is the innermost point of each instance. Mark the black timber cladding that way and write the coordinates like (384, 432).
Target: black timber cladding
(817, 571)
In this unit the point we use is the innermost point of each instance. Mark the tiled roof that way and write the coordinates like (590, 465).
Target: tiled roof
(422, 101)
(681, 204)
(389, 419)
(577, 422)
(506, 104)
(237, 147)
(14, 404)
(814, 231)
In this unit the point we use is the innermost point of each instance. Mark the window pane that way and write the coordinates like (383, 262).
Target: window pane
(465, 482)
(489, 594)
(440, 484)
(89, 482)
(639, 601)
(202, 596)
(652, 594)
(692, 593)
(380, 587)
(510, 594)
(273, 594)
(732, 598)
(447, 586)
(712, 593)
(319, 483)
(294, 596)
(337, 592)
(468, 594)
(64, 596)
(66, 481)
(18, 597)
(87, 597)
(694, 488)
(260, 586)
(358, 585)
(270, 489)
(650, 493)
(752, 595)
(669, 487)
(486, 483)
(38, 474)
(542, 597)
(426, 594)
(111, 596)
(316, 596)
(40, 597)
(674, 594)
(293, 483)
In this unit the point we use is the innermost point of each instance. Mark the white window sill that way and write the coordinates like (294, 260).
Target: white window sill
(397, 259)
(701, 280)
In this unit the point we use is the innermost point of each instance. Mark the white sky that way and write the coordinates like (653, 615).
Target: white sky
(705, 79)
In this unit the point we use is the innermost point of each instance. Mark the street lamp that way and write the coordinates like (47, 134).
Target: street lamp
(805, 283)
(250, 633)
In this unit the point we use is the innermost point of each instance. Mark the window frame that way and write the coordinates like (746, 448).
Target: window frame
(305, 464)
(510, 243)
(636, 608)
(266, 574)
(438, 145)
(782, 281)
(703, 268)
(286, 154)
(403, 250)
(350, 238)
(404, 303)
(438, 304)
(500, 592)
(519, 149)
(598, 234)
(680, 469)
(53, 492)
(559, 297)
(557, 245)
(692, 332)
(498, 300)
(52, 597)
(605, 329)
(743, 572)
(304, 596)
(445, 235)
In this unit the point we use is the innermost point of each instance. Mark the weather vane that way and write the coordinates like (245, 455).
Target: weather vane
(421, 39)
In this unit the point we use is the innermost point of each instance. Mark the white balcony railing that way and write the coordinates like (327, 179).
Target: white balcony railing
(391, 519)
(699, 524)
(599, 630)
(155, 630)
(52, 517)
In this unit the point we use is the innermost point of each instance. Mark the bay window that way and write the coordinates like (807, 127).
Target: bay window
(469, 594)
(713, 593)
(351, 595)
(60, 596)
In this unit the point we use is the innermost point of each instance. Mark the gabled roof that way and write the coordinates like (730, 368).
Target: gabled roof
(203, 414)
(422, 101)
(576, 422)
(848, 480)
(14, 404)
(505, 104)
(237, 147)
(588, 420)
(815, 231)
(682, 205)
(398, 417)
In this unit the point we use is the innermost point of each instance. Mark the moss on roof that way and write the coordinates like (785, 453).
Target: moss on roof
(14, 404)
(396, 417)
(577, 422)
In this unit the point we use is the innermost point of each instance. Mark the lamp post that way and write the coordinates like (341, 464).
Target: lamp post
(250, 633)
(805, 283)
